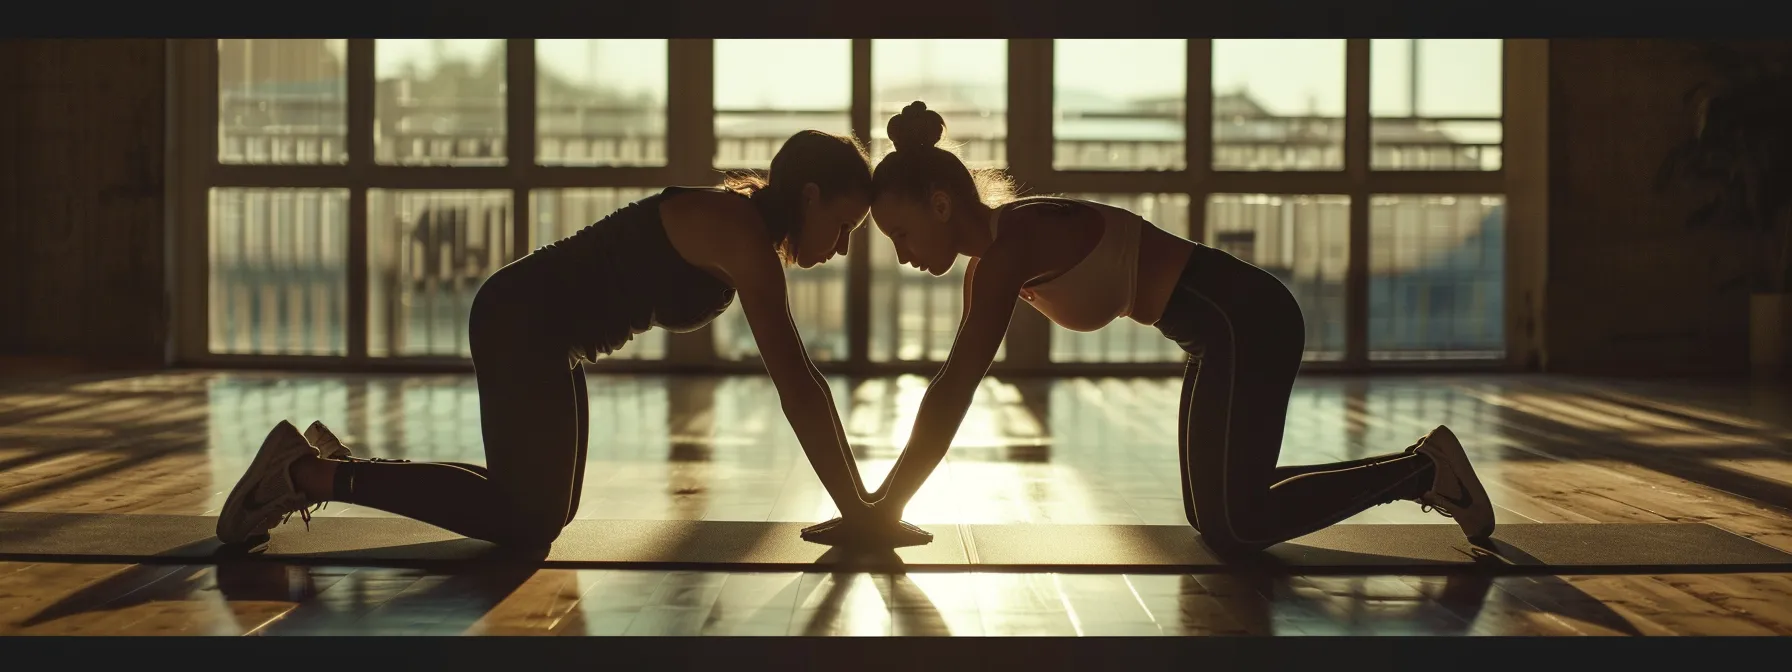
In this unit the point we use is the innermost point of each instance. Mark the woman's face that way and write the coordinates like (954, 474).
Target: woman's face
(828, 224)
(919, 230)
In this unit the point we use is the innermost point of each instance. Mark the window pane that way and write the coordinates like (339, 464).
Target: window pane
(279, 283)
(600, 102)
(1119, 104)
(1305, 241)
(282, 101)
(439, 102)
(914, 316)
(427, 254)
(559, 213)
(767, 90)
(1124, 340)
(1447, 117)
(1278, 104)
(1437, 277)
(817, 298)
(966, 81)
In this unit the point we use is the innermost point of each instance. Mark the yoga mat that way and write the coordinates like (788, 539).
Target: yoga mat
(348, 540)
(757, 546)
(1569, 547)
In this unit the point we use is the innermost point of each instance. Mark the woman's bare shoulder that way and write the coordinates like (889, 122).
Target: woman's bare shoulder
(1051, 215)
(714, 228)
(1049, 233)
(1046, 206)
(705, 204)
(1049, 210)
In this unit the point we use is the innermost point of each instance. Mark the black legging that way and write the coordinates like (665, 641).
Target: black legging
(534, 419)
(1245, 336)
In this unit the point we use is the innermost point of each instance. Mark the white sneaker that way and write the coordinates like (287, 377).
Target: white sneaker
(1455, 491)
(266, 496)
(328, 446)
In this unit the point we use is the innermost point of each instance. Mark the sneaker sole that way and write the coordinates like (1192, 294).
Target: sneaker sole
(258, 468)
(1456, 460)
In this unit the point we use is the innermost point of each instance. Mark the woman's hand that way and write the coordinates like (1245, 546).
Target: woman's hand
(869, 527)
(866, 533)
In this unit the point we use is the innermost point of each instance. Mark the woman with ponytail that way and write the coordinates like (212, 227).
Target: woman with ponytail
(1084, 264)
(674, 260)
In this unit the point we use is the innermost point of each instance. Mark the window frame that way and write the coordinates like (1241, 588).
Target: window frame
(194, 169)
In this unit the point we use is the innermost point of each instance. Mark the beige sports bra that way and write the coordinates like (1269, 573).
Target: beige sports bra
(1099, 288)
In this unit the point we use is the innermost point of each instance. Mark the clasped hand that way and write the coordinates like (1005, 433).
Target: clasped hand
(870, 526)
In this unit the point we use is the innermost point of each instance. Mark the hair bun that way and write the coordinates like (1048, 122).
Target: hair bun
(916, 127)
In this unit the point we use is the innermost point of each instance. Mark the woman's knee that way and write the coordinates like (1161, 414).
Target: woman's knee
(535, 530)
(532, 518)
(1226, 539)
(1228, 545)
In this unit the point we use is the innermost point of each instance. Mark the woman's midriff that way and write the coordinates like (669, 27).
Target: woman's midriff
(1162, 257)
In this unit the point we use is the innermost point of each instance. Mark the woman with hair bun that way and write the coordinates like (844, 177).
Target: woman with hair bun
(1084, 264)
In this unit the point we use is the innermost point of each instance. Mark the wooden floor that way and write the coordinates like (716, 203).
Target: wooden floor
(1048, 451)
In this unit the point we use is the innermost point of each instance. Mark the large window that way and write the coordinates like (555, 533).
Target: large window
(1119, 104)
(1436, 104)
(966, 81)
(1437, 276)
(1303, 240)
(279, 279)
(765, 91)
(1278, 104)
(349, 197)
(915, 315)
(600, 102)
(427, 254)
(282, 102)
(439, 102)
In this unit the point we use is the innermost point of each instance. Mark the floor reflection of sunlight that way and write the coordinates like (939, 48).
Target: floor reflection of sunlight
(842, 604)
(61, 433)
(1687, 410)
(1070, 451)
(1067, 451)
(964, 489)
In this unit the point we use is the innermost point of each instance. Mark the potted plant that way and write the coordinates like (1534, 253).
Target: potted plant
(1740, 156)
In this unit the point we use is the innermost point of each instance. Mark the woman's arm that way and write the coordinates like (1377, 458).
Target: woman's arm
(964, 315)
(991, 286)
(808, 403)
(852, 464)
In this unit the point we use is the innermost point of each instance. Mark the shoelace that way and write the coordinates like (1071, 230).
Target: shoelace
(352, 458)
(304, 514)
(1423, 507)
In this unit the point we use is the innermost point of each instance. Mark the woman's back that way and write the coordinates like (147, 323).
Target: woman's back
(628, 278)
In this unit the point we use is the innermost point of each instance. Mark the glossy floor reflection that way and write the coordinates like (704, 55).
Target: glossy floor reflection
(1031, 450)
(273, 599)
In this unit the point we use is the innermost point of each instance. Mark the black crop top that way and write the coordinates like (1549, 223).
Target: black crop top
(637, 280)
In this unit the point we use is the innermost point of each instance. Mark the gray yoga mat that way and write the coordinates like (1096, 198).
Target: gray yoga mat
(1569, 547)
(349, 540)
(758, 546)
